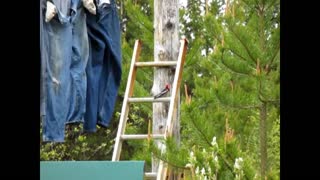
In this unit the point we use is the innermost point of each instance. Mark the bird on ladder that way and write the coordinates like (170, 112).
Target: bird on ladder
(163, 92)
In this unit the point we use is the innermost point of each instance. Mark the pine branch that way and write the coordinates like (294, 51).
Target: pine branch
(256, 1)
(243, 44)
(194, 52)
(262, 98)
(272, 101)
(145, 27)
(217, 38)
(235, 107)
(170, 163)
(137, 15)
(247, 4)
(271, 4)
(200, 132)
(263, 5)
(157, 154)
(273, 58)
(231, 69)
(227, 163)
(237, 54)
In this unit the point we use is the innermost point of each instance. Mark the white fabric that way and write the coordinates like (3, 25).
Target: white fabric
(103, 2)
(89, 5)
(51, 11)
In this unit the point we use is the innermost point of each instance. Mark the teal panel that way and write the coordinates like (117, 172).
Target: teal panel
(91, 170)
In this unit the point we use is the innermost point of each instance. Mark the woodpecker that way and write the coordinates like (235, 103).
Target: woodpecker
(163, 92)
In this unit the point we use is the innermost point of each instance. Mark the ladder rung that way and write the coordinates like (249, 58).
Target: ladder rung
(148, 99)
(141, 136)
(150, 174)
(156, 64)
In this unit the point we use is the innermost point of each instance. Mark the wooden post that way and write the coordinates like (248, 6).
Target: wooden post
(166, 48)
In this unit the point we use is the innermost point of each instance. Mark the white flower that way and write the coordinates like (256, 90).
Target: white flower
(209, 170)
(192, 157)
(204, 151)
(210, 50)
(216, 159)
(214, 177)
(214, 141)
(203, 171)
(188, 165)
(203, 52)
(192, 36)
(191, 154)
(197, 170)
(238, 163)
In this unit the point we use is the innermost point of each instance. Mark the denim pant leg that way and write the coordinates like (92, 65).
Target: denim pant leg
(43, 58)
(57, 82)
(104, 66)
(63, 6)
(94, 70)
(110, 21)
(80, 55)
(109, 84)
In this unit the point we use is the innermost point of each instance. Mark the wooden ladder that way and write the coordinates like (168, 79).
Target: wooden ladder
(162, 170)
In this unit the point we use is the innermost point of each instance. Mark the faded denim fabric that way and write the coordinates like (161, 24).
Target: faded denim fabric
(43, 58)
(64, 54)
(80, 56)
(104, 66)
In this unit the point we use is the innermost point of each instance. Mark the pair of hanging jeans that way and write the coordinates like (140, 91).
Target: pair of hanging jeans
(64, 55)
(43, 59)
(104, 66)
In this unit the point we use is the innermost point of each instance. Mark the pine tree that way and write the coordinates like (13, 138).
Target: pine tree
(251, 53)
(235, 86)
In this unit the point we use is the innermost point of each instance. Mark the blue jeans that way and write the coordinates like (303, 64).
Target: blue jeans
(43, 58)
(104, 66)
(79, 60)
(64, 55)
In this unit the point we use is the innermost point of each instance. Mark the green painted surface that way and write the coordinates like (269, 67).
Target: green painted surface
(91, 170)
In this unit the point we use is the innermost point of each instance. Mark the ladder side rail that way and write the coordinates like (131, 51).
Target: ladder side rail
(162, 171)
(125, 107)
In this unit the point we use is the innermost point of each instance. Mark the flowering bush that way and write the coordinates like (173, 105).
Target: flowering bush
(238, 164)
(204, 164)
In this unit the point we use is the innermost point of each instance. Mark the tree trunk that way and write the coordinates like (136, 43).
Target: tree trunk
(263, 108)
(166, 48)
(263, 140)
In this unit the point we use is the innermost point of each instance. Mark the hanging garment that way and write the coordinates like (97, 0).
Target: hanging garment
(64, 54)
(79, 60)
(104, 65)
(43, 59)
